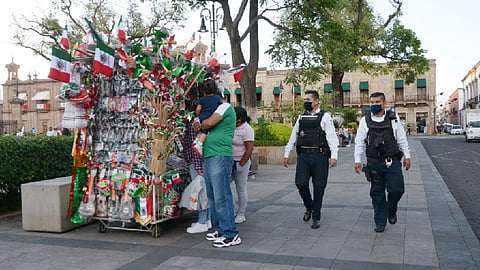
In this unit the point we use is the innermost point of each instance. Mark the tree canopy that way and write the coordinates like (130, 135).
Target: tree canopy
(331, 37)
(41, 30)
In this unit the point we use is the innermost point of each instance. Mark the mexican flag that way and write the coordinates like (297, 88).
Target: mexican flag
(237, 72)
(104, 59)
(60, 66)
(122, 35)
(64, 40)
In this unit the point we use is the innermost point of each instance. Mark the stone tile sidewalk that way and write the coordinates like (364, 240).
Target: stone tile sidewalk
(431, 233)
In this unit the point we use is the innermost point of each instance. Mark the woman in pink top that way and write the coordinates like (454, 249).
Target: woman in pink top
(242, 150)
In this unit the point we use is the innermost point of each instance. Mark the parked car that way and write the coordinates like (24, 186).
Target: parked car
(456, 130)
(472, 131)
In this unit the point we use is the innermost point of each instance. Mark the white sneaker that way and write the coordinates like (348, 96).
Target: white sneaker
(197, 228)
(240, 219)
(213, 236)
(224, 242)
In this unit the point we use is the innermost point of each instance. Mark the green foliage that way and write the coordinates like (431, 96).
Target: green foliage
(328, 38)
(271, 134)
(32, 158)
(353, 125)
(349, 115)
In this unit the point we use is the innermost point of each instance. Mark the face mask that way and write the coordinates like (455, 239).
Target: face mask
(308, 105)
(376, 108)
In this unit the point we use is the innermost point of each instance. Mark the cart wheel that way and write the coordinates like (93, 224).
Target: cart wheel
(101, 228)
(156, 230)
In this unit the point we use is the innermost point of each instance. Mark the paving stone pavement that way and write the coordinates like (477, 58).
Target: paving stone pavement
(431, 233)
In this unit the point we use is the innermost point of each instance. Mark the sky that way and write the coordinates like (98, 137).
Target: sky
(446, 28)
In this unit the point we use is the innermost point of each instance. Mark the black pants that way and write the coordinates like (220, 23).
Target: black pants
(315, 166)
(392, 180)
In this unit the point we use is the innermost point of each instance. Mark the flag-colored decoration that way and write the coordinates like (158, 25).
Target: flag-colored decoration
(121, 34)
(104, 59)
(192, 38)
(60, 66)
(64, 41)
(237, 72)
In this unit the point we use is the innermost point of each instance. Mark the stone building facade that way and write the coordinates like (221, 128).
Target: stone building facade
(415, 103)
(30, 103)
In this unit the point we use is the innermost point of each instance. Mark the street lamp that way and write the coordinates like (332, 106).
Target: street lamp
(213, 16)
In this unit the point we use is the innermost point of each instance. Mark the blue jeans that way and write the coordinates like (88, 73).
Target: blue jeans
(218, 171)
(204, 214)
(315, 166)
(392, 179)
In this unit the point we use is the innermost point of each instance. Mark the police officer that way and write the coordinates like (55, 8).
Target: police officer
(317, 150)
(384, 138)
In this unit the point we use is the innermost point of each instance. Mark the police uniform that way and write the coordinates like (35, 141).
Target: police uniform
(316, 141)
(385, 142)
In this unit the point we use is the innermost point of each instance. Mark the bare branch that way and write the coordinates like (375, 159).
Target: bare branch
(398, 4)
(262, 17)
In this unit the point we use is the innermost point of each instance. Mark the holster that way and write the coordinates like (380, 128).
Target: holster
(373, 176)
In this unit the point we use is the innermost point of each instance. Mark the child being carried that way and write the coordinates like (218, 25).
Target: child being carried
(206, 106)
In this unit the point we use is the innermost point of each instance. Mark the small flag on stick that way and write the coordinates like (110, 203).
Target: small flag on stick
(121, 34)
(60, 66)
(237, 71)
(64, 40)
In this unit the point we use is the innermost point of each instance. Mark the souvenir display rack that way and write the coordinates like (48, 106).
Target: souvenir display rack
(128, 173)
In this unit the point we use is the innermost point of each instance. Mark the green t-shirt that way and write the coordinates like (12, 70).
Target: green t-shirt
(220, 137)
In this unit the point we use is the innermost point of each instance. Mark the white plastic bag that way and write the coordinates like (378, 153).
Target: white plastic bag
(194, 196)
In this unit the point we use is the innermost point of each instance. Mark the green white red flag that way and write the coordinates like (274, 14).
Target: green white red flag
(60, 66)
(237, 72)
(64, 40)
(104, 59)
(121, 33)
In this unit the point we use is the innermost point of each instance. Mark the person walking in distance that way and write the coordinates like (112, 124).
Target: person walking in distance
(382, 136)
(242, 151)
(317, 149)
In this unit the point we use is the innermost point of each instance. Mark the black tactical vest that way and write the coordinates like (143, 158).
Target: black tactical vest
(310, 133)
(381, 142)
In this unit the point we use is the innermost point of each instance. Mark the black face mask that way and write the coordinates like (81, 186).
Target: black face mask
(308, 105)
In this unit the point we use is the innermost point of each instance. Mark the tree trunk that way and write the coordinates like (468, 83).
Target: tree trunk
(337, 78)
(248, 81)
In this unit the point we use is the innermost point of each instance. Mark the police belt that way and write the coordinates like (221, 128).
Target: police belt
(310, 150)
(381, 159)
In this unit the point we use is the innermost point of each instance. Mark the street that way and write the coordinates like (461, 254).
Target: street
(458, 163)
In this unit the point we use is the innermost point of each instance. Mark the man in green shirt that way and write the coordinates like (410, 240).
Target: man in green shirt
(218, 154)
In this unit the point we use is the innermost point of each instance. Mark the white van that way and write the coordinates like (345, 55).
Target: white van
(472, 131)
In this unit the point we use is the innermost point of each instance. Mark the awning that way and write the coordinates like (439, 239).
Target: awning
(238, 91)
(22, 96)
(42, 95)
(398, 84)
(226, 92)
(422, 83)
(298, 90)
(276, 90)
(258, 89)
(346, 86)
(327, 87)
(363, 86)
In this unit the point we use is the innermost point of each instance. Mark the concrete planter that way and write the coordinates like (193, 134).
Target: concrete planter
(273, 155)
